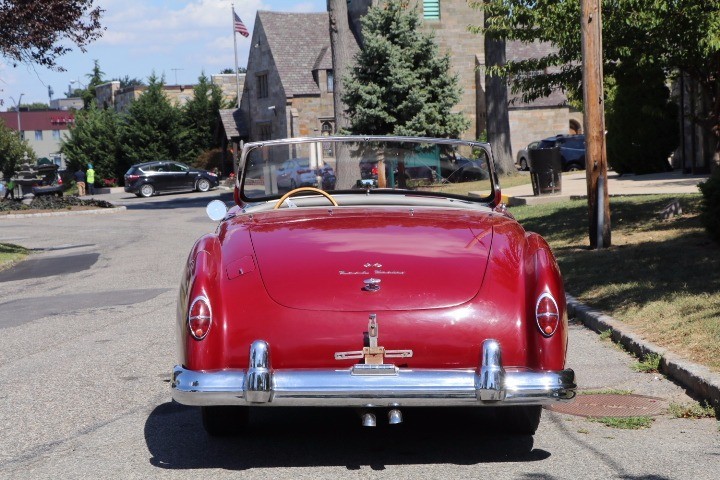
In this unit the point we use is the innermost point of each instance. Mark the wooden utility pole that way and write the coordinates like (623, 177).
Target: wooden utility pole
(593, 99)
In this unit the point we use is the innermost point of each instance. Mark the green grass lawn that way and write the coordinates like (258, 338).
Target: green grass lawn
(660, 276)
(10, 254)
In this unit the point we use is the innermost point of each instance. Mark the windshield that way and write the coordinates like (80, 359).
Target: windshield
(382, 164)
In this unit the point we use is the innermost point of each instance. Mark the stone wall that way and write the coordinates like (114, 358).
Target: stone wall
(227, 83)
(263, 111)
(452, 36)
(531, 124)
(310, 113)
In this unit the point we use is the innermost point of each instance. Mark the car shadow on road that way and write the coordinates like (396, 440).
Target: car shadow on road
(304, 437)
(176, 200)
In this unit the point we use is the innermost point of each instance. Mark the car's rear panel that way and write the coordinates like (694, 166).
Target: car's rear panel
(315, 306)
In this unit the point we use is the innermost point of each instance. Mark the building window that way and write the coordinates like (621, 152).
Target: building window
(38, 135)
(262, 81)
(22, 134)
(431, 9)
(330, 80)
(56, 134)
(265, 131)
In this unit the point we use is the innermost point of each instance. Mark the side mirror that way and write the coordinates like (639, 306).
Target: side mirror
(216, 210)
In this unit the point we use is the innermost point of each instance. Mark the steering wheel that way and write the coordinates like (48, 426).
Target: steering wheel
(304, 189)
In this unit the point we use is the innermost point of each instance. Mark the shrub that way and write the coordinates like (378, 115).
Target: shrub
(641, 122)
(710, 207)
(209, 160)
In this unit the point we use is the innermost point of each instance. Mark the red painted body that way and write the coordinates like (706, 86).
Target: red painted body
(450, 278)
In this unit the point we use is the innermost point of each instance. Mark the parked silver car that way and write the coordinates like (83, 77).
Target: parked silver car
(522, 156)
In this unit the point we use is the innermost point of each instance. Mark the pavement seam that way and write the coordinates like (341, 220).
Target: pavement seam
(697, 379)
(98, 211)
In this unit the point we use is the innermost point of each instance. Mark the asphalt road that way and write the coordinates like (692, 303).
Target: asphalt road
(88, 342)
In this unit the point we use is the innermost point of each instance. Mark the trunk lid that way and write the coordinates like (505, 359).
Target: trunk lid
(417, 259)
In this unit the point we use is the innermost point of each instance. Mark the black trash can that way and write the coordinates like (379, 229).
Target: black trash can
(545, 170)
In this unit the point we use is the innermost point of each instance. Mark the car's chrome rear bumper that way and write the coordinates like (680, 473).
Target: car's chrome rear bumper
(372, 385)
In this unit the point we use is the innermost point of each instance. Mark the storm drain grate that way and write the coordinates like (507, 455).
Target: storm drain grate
(611, 405)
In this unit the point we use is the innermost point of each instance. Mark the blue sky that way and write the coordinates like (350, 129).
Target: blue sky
(177, 38)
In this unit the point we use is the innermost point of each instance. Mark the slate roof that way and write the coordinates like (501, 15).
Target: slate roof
(516, 50)
(299, 42)
(232, 123)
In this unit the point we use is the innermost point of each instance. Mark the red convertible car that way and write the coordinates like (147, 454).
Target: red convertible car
(379, 295)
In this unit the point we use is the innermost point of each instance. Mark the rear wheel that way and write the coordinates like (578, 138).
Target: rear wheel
(203, 185)
(147, 190)
(523, 164)
(522, 420)
(223, 421)
(573, 167)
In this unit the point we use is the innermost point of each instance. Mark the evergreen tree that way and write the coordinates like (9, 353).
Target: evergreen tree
(94, 139)
(151, 128)
(400, 84)
(200, 120)
(12, 151)
(95, 78)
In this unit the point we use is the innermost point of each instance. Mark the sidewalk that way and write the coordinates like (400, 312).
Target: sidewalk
(574, 185)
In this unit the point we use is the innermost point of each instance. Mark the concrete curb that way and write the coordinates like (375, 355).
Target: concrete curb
(697, 379)
(65, 213)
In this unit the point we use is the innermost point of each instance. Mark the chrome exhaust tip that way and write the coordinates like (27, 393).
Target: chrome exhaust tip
(395, 416)
(368, 420)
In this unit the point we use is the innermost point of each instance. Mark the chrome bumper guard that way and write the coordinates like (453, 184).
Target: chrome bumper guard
(372, 385)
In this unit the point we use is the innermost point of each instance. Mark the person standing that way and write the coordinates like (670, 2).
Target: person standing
(90, 175)
(10, 189)
(80, 182)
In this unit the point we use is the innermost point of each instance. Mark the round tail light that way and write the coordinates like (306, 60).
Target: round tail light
(547, 314)
(199, 318)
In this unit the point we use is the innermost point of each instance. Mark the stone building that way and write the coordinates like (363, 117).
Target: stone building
(288, 87)
(544, 117)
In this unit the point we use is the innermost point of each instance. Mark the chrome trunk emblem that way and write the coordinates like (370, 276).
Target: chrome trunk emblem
(371, 284)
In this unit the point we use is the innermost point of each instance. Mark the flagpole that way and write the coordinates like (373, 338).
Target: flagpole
(237, 73)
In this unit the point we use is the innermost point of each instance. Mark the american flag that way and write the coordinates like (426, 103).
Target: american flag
(240, 26)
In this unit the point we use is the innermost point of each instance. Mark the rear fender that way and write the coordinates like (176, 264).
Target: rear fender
(201, 278)
(542, 275)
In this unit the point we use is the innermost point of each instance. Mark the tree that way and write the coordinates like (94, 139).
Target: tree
(342, 45)
(126, 82)
(200, 120)
(232, 70)
(41, 31)
(496, 103)
(29, 107)
(400, 84)
(151, 128)
(95, 78)
(666, 34)
(12, 151)
(640, 146)
(94, 138)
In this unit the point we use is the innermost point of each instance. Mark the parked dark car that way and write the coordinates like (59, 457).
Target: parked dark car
(572, 150)
(456, 168)
(147, 179)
